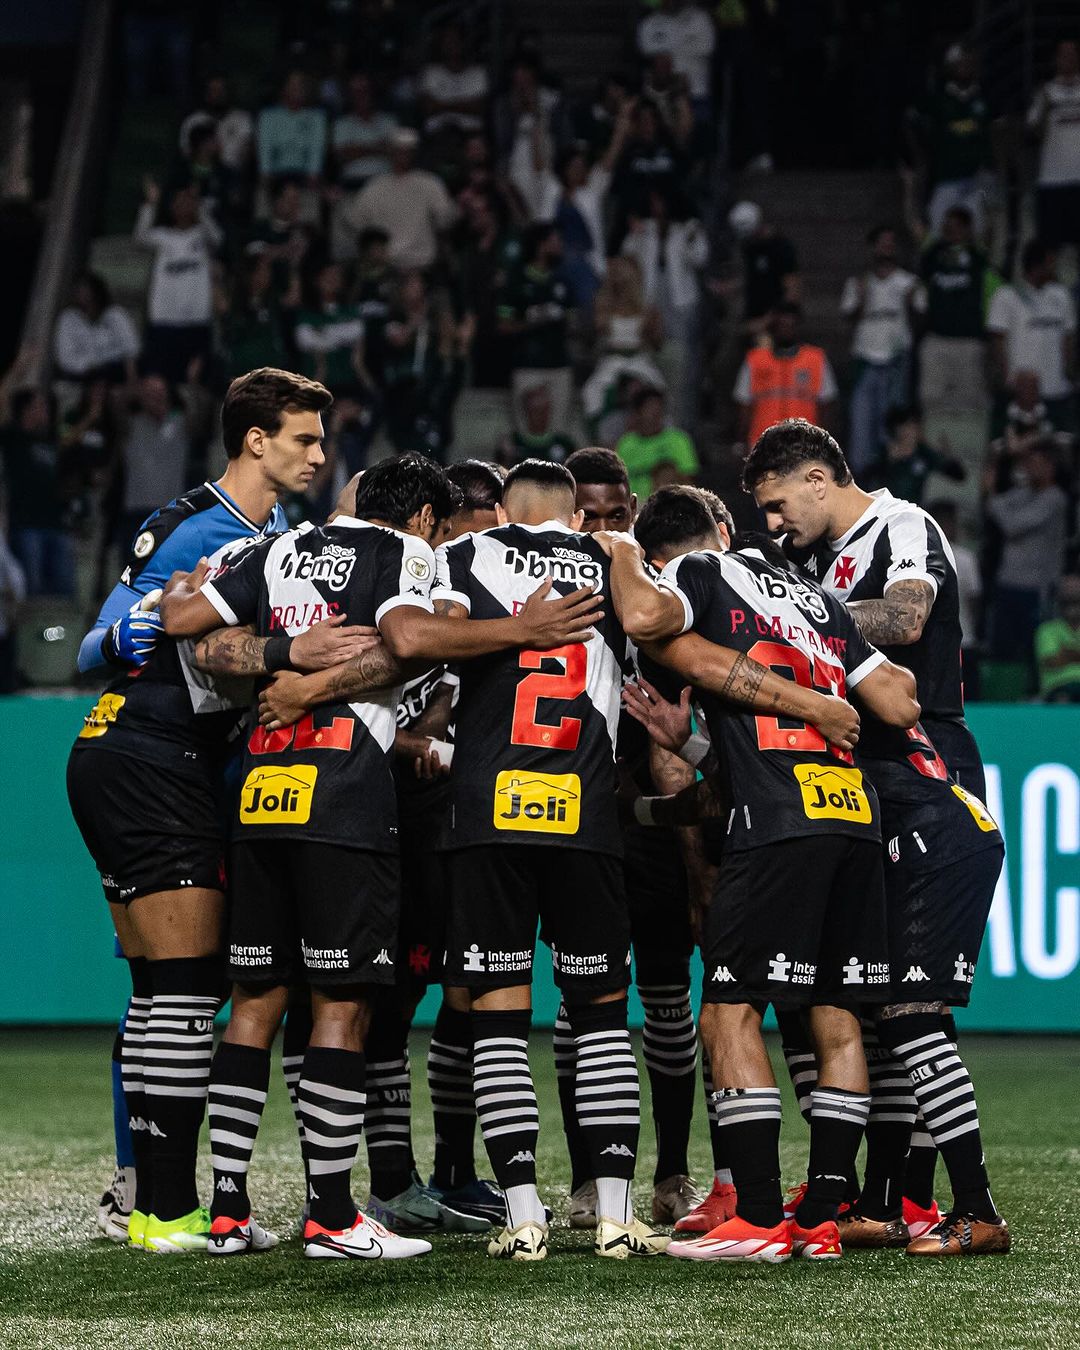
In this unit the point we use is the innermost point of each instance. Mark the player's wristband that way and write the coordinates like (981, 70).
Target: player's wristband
(276, 653)
(643, 810)
(443, 749)
(695, 749)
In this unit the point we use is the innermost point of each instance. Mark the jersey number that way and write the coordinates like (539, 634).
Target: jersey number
(821, 675)
(303, 736)
(568, 685)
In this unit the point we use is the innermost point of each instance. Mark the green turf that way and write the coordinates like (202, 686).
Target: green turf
(61, 1286)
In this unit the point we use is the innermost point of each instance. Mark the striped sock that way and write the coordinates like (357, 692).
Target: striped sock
(837, 1121)
(449, 1073)
(506, 1107)
(294, 1044)
(332, 1099)
(669, 1042)
(178, 1048)
(565, 1075)
(388, 1119)
(721, 1170)
(888, 1129)
(132, 1050)
(608, 1100)
(239, 1080)
(750, 1122)
(946, 1097)
(799, 1057)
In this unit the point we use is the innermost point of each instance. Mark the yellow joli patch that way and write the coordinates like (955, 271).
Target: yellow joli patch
(275, 795)
(546, 803)
(833, 794)
(983, 818)
(101, 716)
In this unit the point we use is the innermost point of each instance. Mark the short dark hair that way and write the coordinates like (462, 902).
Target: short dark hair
(718, 507)
(884, 228)
(261, 398)
(1035, 254)
(541, 473)
(673, 515)
(642, 396)
(95, 282)
(395, 489)
(963, 213)
(594, 464)
(480, 484)
(784, 446)
(900, 413)
(371, 235)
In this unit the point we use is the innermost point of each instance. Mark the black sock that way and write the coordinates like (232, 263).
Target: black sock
(239, 1081)
(946, 1097)
(750, 1121)
(837, 1121)
(566, 1074)
(388, 1118)
(449, 1071)
(294, 1044)
(720, 1160)
(176, 1070)
(132, 1050)
(505, 1095)
(332, 1099)
(608, 1100)
(888, 1130)
(799, 1056)
(921, 1166)
(669, 1043)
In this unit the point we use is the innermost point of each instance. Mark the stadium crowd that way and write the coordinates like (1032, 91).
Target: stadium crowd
(404, 224)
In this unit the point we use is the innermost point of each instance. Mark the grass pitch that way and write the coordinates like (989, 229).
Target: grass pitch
(60, 1285)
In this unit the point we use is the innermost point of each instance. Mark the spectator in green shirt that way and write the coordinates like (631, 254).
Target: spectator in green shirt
(648, 446)
(531, 311)
(537, 438)
(1057, 646)
(952, 138)
(252, 324)
(959, 281)
(329, 336)
(909, 461)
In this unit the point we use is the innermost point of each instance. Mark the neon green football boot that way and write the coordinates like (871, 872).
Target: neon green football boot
(173, 1237)
(137, 1229)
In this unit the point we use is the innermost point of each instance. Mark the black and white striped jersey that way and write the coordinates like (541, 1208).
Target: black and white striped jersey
(329, 778)
(534, 758)
(785, 780)
(895, 541)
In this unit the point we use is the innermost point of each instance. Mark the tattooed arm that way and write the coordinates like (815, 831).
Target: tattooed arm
(739, 679)
(231, 651)
(289, 695)
(897, 619)
(238, 652)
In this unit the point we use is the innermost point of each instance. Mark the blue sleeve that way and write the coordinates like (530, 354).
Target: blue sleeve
(179, 551)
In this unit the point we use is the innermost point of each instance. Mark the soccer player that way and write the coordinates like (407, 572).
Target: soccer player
(144, 781)
(892, 565)
(315, 876)
(655, 866)
(798, 911)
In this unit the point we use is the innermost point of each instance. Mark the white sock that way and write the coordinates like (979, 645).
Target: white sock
(723, 1176)
(523, 1205)
(613, 1199)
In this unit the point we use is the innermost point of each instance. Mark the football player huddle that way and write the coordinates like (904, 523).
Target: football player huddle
(336, 764)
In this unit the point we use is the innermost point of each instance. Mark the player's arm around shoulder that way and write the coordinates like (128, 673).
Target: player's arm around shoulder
(647, 611)
(890, 694)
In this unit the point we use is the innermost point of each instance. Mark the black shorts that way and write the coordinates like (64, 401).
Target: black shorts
(500, 892)
(424, 905)
(958, 748)
(308, 913)
(798, 922)
(658, 905)
(937, 918)
(148, 829)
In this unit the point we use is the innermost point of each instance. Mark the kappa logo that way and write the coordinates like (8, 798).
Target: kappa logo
(383, 959)
(617, 1151)
(273, 795)
(227, 1186)
(915, 975)
(474, 959)
(721, 975)
(811, 565)
(833, 794)
(523, 1155)
(779, 967)
(548, 804)
(844, 573)
(904, 564)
